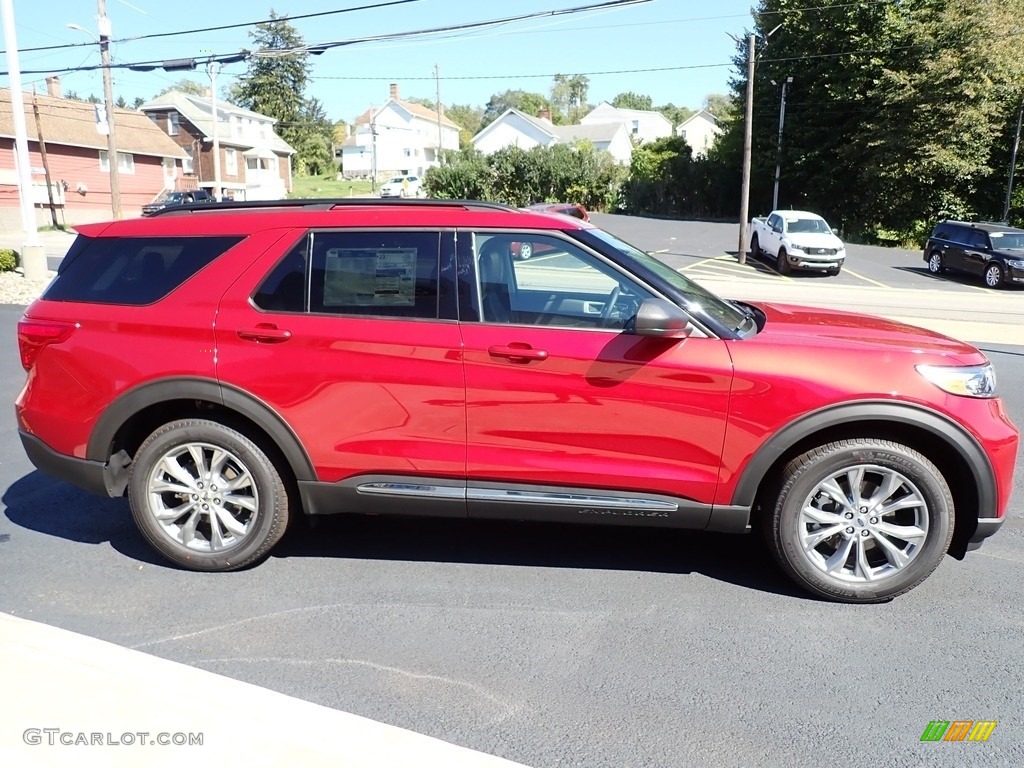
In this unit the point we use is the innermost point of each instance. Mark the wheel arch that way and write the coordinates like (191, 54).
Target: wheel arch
(129, 419)
(956, 453)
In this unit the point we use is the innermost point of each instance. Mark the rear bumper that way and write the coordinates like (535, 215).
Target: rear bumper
(100, 479)
(987, 526)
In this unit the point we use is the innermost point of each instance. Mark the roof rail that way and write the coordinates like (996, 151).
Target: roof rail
(325, 204)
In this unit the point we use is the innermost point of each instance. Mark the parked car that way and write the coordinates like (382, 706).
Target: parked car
(797, 240)
(403, 186)
(992, 251)
(566, 209)
(177, 198)
(227, 371)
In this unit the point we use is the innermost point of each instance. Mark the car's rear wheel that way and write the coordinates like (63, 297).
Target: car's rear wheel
(860, 521)
(935, 265)
(994, 276)
(206, 496)
(782, 263)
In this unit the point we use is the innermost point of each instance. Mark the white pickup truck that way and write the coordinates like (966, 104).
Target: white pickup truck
(797, 240)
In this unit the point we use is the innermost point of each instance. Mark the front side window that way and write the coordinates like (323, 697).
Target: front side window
(389, 274)
(535, 279)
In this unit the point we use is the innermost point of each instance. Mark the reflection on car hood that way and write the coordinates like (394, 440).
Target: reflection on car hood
(816, 239)
(837, 330)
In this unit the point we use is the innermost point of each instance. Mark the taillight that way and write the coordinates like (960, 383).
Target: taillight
(33, 335)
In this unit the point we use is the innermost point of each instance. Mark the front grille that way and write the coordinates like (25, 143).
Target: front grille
(821, 251)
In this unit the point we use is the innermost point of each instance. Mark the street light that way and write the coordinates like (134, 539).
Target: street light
(778, 146)
(103, 24)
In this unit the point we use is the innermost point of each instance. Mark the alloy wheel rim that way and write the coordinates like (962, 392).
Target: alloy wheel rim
(863, 524)
(203, 497)
(934, 263)
(993, 276)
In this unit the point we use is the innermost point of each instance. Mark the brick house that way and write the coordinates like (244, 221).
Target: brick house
(148, 161)
(255, 163)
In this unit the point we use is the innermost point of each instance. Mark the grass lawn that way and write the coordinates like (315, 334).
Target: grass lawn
(320, 186)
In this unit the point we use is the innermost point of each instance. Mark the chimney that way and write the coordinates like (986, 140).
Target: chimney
(53, 87)
(394, 91)
(544, 114)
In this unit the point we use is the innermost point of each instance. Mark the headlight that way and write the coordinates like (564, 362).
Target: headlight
(1016, 263)
(795, 247)
(968, 381)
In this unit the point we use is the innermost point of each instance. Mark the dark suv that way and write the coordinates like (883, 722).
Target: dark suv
(177, 198)
(228, 365)
(993, 251)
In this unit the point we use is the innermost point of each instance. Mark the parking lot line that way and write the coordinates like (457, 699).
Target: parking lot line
(865, 279)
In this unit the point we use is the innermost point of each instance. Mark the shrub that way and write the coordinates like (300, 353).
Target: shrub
(8, 259)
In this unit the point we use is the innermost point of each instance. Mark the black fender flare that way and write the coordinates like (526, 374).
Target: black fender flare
(943, 428)
(145, 395)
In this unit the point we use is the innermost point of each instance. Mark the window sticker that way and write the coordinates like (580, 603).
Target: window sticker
(370, 277)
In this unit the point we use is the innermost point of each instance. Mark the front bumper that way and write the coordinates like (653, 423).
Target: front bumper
(800, 260)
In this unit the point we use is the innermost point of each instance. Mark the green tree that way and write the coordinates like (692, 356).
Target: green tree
(525, 101)
(186, 86)
(275, 84)
(720, 105)
(631, 100)
(675, 114)
(468, 118)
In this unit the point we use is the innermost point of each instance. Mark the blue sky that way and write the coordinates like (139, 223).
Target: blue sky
(683, 45)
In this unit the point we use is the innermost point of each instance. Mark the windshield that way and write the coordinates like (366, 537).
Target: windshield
(396, 180)
(697, 300)
(807, 225)
(1007, 240)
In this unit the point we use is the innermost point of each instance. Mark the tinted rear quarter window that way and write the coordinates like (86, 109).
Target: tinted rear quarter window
(131, 270)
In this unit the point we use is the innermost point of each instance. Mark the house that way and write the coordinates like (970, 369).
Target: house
(396, 139)
(700, 131)
(515, 128)
(255, 163)
(641, 124)
(76, 155)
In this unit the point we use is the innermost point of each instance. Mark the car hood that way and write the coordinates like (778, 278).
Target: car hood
(816, 239)
(838, 330)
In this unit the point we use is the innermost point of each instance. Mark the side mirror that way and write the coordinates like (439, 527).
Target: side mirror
(657, 317)
(835, 231)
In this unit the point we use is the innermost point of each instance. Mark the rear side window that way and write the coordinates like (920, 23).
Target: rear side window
(132, 270)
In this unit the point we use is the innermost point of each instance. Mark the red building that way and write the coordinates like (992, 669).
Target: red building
(76, 153)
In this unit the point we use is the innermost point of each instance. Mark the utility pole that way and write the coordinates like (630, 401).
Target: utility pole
(747, 141)
(108, 105)
(437, 80)
(778, 146)
(1013, 164)
(211, 70)
(33, 256)
(373, 150)
(42, 154)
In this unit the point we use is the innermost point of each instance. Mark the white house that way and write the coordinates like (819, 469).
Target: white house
(515, 128)
(700, 131)
(253, 162)
(397, 138)
(641, 124)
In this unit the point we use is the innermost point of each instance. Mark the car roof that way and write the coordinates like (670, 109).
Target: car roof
(245, 218)
(787, 214)
(984, 226)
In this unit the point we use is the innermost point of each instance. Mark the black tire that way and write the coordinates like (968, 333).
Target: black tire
(251, 505)
(755, 247)
(782, 263)
(994, 275)
(525, 251)
(822, 567)
(833, 271)
(935, 265)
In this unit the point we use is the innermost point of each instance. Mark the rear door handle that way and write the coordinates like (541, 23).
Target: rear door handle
(264, 333)
(517, 352)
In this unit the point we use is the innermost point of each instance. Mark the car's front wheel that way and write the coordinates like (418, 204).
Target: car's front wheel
(994, 276)
(206, 496)
(782, 263)
(860, 521)
(755, 247)
(525, 251)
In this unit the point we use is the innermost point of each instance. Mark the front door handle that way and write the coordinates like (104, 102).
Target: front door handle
(264, 333)
(517, 352)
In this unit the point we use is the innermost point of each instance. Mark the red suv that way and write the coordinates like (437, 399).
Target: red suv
(228, 365)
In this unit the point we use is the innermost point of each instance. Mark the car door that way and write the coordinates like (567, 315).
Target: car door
(954, 254)
(566, 410)
(351, 338)
(977, 252)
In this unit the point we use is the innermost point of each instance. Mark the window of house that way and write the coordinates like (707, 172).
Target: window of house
(188, 164)
(172, 124)
(252, 164)
(389, 274)
(230, 162)
(636, 126)
(125, 162)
